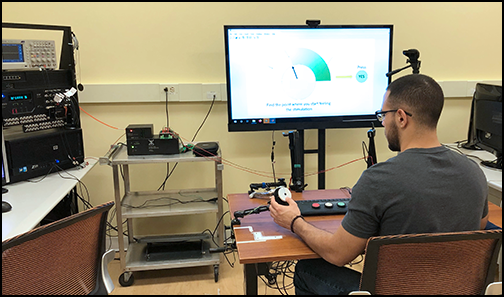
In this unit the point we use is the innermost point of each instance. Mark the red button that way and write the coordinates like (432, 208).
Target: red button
(315, 205)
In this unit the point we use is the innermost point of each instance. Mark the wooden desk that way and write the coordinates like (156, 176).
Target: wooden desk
(254, 253)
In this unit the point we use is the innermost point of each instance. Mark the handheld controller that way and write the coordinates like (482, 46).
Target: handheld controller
(281, 194)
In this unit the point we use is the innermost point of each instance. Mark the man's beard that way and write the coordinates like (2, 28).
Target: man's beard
(393, 138)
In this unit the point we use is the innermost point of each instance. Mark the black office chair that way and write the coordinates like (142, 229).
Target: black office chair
(459, 263)
(66, 257)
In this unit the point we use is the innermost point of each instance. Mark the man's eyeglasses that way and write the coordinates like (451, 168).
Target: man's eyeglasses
(380, 115)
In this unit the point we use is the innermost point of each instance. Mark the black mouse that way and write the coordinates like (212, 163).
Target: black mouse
(6, 206)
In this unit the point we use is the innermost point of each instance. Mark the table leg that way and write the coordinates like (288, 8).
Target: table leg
(251, 272)
(250, 279)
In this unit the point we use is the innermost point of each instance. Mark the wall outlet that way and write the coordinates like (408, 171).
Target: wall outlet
(172, 90)
(209, 91)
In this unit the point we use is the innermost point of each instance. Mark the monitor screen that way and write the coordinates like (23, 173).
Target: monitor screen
(299, 77)
(12, 52)
(487, 113)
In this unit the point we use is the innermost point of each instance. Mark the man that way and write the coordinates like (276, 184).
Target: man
(425, 188)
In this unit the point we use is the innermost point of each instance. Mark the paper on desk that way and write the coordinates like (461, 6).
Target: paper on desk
(258, 236)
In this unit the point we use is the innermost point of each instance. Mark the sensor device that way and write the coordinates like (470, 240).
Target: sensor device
(206, 149)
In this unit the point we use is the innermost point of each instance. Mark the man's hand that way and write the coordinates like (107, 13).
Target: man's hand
(284, 214)
(338, 248)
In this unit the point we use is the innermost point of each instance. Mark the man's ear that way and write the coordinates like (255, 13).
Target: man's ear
(402, 118)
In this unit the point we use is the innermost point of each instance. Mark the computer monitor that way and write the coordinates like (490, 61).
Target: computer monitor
(485, 127)
(302, 77)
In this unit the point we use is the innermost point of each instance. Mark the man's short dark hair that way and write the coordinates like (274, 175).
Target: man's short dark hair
(420, 95)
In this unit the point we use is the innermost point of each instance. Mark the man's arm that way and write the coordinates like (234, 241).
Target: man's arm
(484, 222)
(338, 248)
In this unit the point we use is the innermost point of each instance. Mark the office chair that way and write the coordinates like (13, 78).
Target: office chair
(64, 257)
(458, 263)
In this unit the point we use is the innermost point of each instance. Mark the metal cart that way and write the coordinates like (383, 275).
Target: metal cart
(171, 251)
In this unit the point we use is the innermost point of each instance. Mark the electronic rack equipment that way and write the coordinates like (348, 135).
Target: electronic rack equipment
(20, 54)
(40, 103)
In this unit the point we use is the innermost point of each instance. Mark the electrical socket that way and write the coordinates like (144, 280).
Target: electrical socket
(211, 94)
(173, 92)
(209, 91)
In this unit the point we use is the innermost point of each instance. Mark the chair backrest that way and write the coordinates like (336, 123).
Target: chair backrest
(63, 257)
(457, 263)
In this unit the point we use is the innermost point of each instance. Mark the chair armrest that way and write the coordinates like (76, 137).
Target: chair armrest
(107, 280)
(494, 288)
(359, 293)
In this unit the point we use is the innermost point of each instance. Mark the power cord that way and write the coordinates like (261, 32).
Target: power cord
(166, 108)
(175, 201)
(273, 155)
(204, 120)
(185, 147)
(283, 268)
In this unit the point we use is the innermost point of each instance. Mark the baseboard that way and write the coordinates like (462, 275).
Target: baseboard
(205, 92)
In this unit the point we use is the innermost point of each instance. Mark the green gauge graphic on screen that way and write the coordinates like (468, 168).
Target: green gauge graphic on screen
(308, 68)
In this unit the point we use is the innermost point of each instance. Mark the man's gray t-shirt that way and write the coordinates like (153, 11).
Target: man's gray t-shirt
(418, 191)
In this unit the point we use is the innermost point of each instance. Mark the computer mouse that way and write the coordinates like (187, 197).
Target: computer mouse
(6, 206)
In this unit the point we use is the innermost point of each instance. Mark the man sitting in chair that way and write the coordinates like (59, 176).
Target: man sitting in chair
(426, 188)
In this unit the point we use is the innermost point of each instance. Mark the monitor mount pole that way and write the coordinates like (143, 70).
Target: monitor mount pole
(371, 159)
(413, 56)
(297, 152)
(297, 161)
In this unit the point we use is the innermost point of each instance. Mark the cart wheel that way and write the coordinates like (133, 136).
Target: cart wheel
(128, 282)
(216, 273)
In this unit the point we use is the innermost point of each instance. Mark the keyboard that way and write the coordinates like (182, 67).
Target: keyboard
(321, 207)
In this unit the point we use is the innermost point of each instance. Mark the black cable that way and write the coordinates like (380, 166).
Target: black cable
(68, 148)
(166, 109)
(177, 201)
(365, 151)
(75, 112)
(273, 154)
(229, 250)
(74, 177)
(462, 153)
(167, 176)
(210, 109)
(41, 179)
(280, 268)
